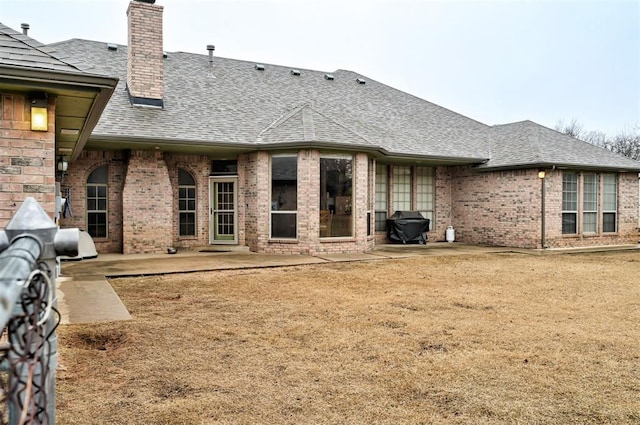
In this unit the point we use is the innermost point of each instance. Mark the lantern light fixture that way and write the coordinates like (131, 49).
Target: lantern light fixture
(39, 113)
(63, 164)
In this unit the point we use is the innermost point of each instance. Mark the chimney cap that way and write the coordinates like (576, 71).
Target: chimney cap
(211, 47)
(147, 1)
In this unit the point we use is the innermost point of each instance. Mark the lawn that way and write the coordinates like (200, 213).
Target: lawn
(481, 339)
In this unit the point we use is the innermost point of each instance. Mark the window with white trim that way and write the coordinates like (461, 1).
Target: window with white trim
(569, 203)
(589, 203)
(425, 192)
(382, 190)
(186, 203)
(97, 205)
(609, 203)
(401, 188)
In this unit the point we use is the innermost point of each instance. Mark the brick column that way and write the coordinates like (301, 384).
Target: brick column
(147, 213)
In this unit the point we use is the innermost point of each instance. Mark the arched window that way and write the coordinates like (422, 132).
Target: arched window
(97, 211)
(186, 203)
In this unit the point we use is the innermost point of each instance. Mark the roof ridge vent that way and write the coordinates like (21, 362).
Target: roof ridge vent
(112, 47)
(259, 67)
(329, 77)
(361, 81)
(295, 72)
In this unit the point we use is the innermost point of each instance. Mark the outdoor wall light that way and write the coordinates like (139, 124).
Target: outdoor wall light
(39, 114)
(62, 165)
(542, 174)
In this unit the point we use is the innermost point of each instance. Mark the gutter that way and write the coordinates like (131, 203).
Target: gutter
(248, 147)
(562, 166)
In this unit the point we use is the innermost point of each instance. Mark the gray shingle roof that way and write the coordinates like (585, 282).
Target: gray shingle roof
(233, 103)
(19, 50)
(527, 144)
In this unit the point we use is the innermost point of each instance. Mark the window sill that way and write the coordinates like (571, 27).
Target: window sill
(283, 241)
(337, 239)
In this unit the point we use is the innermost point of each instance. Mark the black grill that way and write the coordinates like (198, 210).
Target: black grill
(407, 226)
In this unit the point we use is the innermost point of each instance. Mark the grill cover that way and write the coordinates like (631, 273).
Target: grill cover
(407, 226)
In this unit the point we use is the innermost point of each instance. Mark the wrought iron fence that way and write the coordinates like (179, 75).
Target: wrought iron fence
(29, 246)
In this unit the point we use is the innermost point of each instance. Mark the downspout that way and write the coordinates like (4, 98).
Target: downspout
(543, 237)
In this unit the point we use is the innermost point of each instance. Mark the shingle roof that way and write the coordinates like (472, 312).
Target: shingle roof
(234, 103)
(19, 50)
(527, 144)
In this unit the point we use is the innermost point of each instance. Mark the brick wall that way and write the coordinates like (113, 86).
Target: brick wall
(198, 167)
(147, 210)
(308, 241)
(500, 208)
(27, 158)
(145, 73)
(76, 179)
(627, 215)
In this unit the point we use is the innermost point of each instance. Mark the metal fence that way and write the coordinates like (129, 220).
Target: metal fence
(29, 246)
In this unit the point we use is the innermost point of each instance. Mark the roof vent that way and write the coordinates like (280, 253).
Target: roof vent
(112, 47)
(259, 67)
(295, 72)
(25, 28)
(211, 48)
(361, 81)
(329, 77)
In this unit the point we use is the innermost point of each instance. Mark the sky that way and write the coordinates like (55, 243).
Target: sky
(493, 61)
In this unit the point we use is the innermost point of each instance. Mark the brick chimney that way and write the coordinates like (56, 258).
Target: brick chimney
(145, 73)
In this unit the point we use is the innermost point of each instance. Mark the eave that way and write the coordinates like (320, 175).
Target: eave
(81, 98)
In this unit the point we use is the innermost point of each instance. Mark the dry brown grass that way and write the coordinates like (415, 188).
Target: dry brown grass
(487, 339)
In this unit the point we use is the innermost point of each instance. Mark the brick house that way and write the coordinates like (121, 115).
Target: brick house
(195, 150)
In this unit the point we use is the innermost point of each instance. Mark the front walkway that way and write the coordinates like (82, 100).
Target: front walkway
(85, 295)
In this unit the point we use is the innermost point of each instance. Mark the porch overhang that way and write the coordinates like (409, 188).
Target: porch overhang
(80, 100)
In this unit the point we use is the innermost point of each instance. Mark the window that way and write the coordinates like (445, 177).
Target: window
(186, 203)
(425, 192)
(97, 212)
(609, 203)
(569, 203)
(590, 203)
(382, 189)
(598, 192)
(336, 201)
(284, 196)
(401, 188)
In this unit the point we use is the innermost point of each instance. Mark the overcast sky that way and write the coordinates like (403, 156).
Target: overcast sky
(494, 61)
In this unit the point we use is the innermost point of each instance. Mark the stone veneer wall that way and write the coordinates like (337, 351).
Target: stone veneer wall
(27, 158)
(147, 210)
